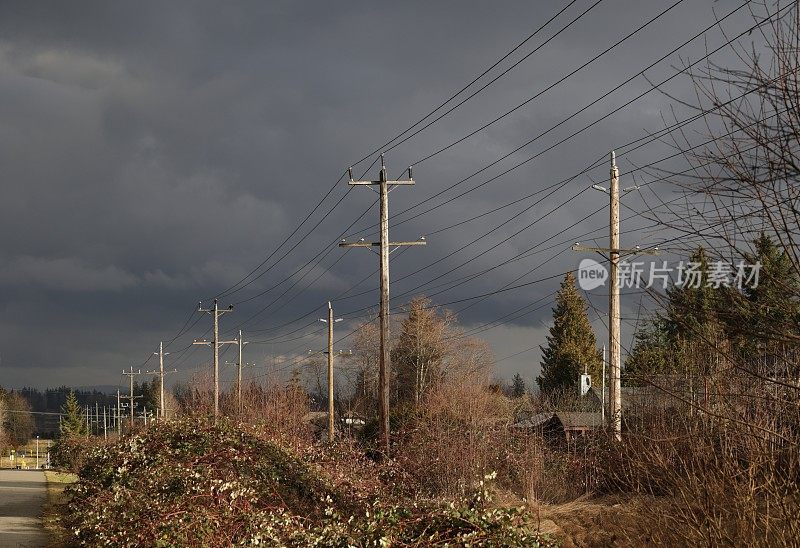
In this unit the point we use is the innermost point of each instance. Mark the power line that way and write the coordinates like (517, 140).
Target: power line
(236, 287)
(585, 64)
(382, 148)
(527, 251)
(731, 40)
(603, 96)
(540, 46)
(492, 81)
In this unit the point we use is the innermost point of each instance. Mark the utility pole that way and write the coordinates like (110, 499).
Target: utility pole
(215, 344)
(614, 253)
(162, 412)
(330, 321)
(240, 343)
(131, 397)
(384, 244)
(603, 391)
(118, 414)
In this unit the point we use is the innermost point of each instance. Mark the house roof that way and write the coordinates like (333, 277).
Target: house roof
(534, 421)
(579, 419)
(567, 419)
(639, 397)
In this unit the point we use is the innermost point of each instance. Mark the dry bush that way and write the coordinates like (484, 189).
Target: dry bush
(556, 470)
(3, 437)
(727, 474)
(71, 453)
(197, 397)
(187, 483)
(457, 434)
(278, 410)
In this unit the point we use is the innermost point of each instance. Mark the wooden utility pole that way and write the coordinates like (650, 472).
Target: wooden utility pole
(330, 321)
(614, 350)
(215, 344)
(160, 373)
(384, 244)
(614, 252)
(603, 390)
(118, 415)
(239, 364)
(131, 396)
(330, 373)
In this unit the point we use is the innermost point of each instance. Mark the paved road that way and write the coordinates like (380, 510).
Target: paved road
(22, 494)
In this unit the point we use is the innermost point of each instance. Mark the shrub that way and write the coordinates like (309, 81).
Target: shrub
(70, 453)
(189, 483)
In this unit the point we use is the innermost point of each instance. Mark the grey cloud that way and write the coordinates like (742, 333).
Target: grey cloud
(68, 274)
(153, 153)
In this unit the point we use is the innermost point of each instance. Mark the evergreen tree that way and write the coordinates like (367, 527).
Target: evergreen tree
(150, 395)
(571, 345)
(697, 335)
(763, 320)
(73, 422)
(517, 386)
(651, 353)
(693, 305)
(774, 307)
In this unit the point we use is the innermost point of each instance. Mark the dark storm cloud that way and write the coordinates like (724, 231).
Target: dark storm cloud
(153, 153)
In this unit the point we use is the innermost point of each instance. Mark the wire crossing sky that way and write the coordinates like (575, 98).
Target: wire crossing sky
(155, 154)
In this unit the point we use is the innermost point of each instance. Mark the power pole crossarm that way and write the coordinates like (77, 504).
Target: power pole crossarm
(377, 244)
(622, 252)
(384, 243)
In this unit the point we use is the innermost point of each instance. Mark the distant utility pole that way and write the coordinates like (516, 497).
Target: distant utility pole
(118, 414)
(131, 396)
(239, 364)
(384, 244)
(161, 409)
(215, 344)
(330, 321)
(614, 253)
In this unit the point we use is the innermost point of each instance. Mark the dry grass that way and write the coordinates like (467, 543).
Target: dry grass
(53, 508)
(603, 521)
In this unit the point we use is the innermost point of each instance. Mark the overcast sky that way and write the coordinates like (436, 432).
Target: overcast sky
(154, 153)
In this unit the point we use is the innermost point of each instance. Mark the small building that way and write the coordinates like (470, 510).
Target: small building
(558, 424)
(578, 423)
(539, 423)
